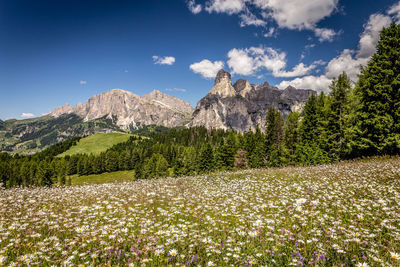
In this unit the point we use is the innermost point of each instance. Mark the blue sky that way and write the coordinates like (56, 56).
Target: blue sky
(64, 51)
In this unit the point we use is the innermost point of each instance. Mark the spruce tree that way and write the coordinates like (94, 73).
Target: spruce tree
(273, 131)
(291, 134)
(379, 91)
(339, 100)
(206, 158)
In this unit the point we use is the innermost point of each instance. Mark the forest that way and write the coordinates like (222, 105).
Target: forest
(353, 120)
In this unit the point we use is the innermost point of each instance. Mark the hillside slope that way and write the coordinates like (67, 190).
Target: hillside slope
(32, 135)
(96, 143)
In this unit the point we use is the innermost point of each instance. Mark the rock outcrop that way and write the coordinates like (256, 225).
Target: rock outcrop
(243, 106)
(130, 110)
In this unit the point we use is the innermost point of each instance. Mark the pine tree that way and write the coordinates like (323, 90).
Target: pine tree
(291, 134)
(308, 131)
(206, 158)
(379, 91)
(273, 131)
(339, 100)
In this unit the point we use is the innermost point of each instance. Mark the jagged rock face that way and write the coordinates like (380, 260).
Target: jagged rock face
(130, 110)
(222, 85)
(246, 106)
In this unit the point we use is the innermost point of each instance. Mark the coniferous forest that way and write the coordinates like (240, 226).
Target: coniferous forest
(352, 120)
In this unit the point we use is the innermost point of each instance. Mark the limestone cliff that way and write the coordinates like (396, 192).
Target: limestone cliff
(130, 110)
(243, 106)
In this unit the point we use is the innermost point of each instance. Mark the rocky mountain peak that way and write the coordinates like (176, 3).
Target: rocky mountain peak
(242, 87)
(66, 109)
(223, 85)
(131, 110)
(222, 76)
(222, 108)
(168, 101)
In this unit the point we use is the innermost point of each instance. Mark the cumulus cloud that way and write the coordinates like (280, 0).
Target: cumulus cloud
(240, 62)
(349, 61)
(294, 14)
(248, 61)
(298, 70)
(225, 6)
(345, 62)
(290, 14)
(324, 34)
(206, 68)
(193, 7)
(395, 11)
(317, 83)
(370, 36)
(27, 115)
(82, 82)
(163, 60)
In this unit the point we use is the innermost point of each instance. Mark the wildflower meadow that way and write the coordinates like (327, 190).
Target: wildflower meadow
(344, 214)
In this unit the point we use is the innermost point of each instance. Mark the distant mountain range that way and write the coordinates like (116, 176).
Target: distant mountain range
(130, 111)
(241, 106)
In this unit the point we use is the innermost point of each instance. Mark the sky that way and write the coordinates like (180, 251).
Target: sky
(64, 51)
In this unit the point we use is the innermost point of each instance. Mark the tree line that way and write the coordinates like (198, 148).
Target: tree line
(348, 122)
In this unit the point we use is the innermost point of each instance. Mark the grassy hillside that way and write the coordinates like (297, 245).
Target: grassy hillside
(96, 143)
(33, 135)
(108, 177)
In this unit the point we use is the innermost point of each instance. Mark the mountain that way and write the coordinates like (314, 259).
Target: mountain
(32, 135)
(130, 111)
(113, 111)
(242, 106)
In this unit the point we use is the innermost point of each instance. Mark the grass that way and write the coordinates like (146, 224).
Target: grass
(345, 214)
(108, 177)
(96, 143)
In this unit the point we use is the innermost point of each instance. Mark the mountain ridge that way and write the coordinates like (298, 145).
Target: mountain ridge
(242, 106)
(131, 110)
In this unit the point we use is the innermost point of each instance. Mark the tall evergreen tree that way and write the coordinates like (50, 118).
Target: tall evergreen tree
(379, 90)
(308, 131)
(206, 158)
(339, 100)
(291, 134)
(273, 129)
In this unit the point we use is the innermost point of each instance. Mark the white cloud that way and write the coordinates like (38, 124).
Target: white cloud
(348, 61)
(240, 62)
(163, 60)
(250, 60)
(345, 62)
(225, 6)
(175, 90)
(249, 18)
(206, 68)
(395, 11)
(296, 14)
(270, 33)
(82, 82)
(317, 83)
(370, 36)
(193, 7)
(298, 70)
(27, 115)
(324, 34)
